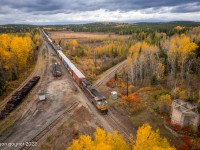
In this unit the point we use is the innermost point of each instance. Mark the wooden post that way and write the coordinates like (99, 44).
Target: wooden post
(127, 84)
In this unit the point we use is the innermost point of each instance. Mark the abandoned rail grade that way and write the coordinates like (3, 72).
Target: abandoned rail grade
(51, 125)
(110, 74)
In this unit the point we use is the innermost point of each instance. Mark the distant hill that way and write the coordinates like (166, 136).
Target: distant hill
(183, 23)
(108, 27)
(175, 23)
(109, 24)
(117, 24)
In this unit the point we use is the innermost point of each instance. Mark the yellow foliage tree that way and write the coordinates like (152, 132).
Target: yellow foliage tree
(5, 41)
(147, 139)
(143, 61)
(183, 95)
(5, 58)
(102, 141)
(74, 43)
(179, 27)
(38, 39)
(15, 50)
(21, 48)
(179, 50)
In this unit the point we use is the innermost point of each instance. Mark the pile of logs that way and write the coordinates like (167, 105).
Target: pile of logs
(18, 96)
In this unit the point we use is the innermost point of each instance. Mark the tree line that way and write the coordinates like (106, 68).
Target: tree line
(169, 28)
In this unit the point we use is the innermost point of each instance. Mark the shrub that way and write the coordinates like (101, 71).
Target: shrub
(175, 93)
(146, 89)
(182, 95)
(190, 99)
(119, 94)
(177, 128)
(195, 143)
(156, 95)
(2, 86)
(116, 76)
(198, 108)
(154, 80)
(132, 98)
(76, 59)
(186, 140)
(131, 88)
(111, 83)
(156, 108)
(164, 103)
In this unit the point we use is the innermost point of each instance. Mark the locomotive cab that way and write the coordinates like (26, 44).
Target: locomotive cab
(102, 105)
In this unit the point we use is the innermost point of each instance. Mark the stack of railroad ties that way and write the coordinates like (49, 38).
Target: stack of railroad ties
(94, 95)
(17, 97)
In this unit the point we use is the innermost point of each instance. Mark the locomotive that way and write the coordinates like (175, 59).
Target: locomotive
(96, 97)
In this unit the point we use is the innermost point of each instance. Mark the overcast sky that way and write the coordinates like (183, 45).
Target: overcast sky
(83, 11)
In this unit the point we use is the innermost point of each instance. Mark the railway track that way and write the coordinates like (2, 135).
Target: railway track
(50, 126)
(116, 124)
(109, 74)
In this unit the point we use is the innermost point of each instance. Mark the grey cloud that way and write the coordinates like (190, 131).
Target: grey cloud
(69, 6)
(191, 7)
(47, 11)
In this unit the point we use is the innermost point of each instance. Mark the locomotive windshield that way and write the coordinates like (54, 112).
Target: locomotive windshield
(102, 102)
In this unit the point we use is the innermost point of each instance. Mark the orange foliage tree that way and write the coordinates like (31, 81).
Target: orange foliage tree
(134, 102)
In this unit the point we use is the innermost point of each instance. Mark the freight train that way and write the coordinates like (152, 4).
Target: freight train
(95, 96)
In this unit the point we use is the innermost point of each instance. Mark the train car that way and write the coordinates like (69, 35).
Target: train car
(75, 73)
(64, 59)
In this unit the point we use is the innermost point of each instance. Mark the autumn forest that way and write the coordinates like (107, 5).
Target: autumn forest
(18, 55)
(161, 64)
